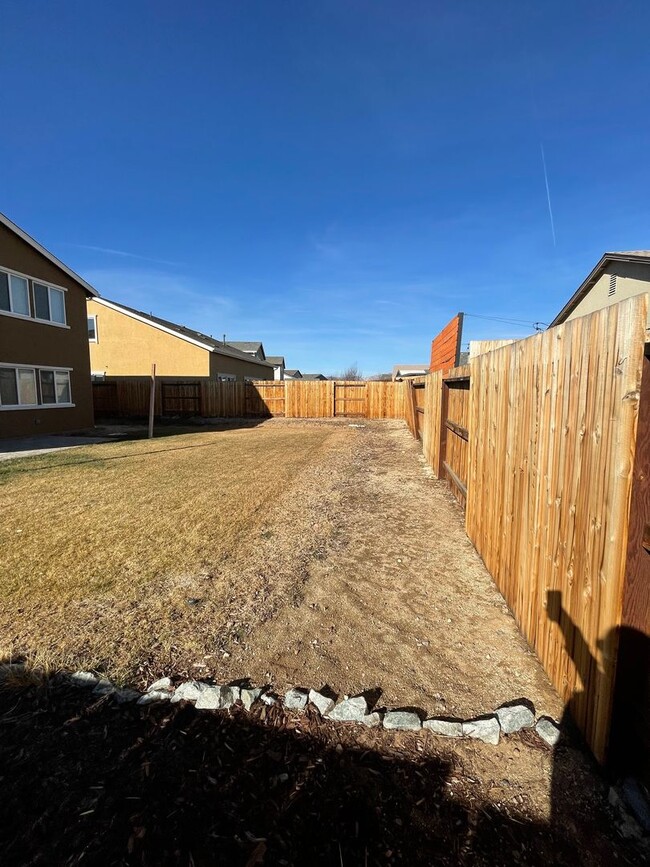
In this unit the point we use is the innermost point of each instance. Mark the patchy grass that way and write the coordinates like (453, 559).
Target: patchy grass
(115, 554)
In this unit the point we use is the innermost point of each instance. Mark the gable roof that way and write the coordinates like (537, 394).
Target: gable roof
(5, 221)
(188, 334)
(295, 372)
(275, 359)
(247, 345)
(587, 284)
(313, 376)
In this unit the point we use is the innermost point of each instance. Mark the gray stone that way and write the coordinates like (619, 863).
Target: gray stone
(625, 822)
(548, 730)
(402, 720)
(350, 709)
(103, 687)
(153, 697)
(268, 698)
(126, 695)
(296, 699)
(446, 728)
(485, 729)
(637, 800)
(320, 701)
(84, 678)
(236, 692)
(190, 690)
(372, 720)
(249, 696)
(215, 698)
(514, 718)
(160, 685)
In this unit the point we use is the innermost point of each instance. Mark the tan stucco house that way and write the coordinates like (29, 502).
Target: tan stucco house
(617, 276)
(126, 342)
(44, 362)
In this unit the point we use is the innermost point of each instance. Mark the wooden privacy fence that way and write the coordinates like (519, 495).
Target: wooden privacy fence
(538, 441)
(129, 398)
(539, 438)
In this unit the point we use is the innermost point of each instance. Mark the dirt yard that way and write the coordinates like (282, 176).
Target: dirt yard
(289, 553)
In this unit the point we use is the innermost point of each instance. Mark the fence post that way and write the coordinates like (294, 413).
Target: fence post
(442, 443)
(414, 420)
(152, 399)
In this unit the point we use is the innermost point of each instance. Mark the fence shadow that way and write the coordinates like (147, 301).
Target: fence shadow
(30, 463)
(86, 780)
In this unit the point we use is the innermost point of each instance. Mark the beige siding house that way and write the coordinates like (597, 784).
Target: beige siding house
(617, 276)
(126, 342)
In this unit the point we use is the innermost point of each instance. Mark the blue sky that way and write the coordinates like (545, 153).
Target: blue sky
(336, 179)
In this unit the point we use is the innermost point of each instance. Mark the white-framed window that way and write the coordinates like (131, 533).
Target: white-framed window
(14, 294)
(23, 387)
(92, 329)
(49, 303)
(44, 303)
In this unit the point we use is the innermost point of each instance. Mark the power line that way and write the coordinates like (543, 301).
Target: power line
(535, 326)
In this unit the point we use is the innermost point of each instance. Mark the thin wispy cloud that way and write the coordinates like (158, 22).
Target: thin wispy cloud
(110, 251)
(548, 193)
(172, 296)
(329, 251)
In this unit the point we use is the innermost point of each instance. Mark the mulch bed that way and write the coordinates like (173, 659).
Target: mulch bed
(85, 781)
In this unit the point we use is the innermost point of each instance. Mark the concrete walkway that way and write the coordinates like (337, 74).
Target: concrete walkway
(25, 447)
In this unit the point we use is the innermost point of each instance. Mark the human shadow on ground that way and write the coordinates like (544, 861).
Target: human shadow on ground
(628, 761)
(88, 781)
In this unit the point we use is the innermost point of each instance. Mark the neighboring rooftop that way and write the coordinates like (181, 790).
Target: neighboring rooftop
(248, 346)
(205, 340)
(313, 376)
(295, 373)
(275, 359)
(402, 370)
(587, 284)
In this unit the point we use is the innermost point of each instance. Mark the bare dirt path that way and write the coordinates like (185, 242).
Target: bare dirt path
(397, 597)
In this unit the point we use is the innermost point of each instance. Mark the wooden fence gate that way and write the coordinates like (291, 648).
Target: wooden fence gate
(105, 399)
(181, 398)
(351, 399)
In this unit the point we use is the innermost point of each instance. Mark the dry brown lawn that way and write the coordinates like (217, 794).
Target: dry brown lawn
(291, 553)
(121, 555)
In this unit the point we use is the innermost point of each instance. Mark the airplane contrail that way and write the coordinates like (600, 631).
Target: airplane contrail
(548, 194)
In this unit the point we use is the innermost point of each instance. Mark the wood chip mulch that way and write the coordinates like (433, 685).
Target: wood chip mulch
(85, 781)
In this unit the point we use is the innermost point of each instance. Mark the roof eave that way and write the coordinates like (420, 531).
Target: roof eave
(591, 279)
(46, 253)
(241, 356)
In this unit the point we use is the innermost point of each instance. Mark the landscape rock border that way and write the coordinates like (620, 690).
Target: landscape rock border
(507, 719)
